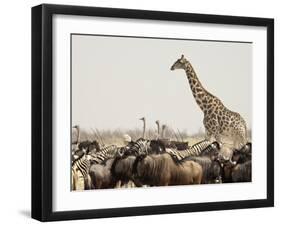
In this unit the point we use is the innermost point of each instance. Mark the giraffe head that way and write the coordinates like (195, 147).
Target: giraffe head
(179, 64)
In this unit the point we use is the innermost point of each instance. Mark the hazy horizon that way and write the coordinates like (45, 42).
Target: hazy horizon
(117, 80)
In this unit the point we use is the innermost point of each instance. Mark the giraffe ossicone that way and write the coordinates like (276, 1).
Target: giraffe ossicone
(218, 120)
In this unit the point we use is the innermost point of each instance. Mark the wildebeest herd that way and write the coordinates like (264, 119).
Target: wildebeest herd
(164, 162)
(156, 162)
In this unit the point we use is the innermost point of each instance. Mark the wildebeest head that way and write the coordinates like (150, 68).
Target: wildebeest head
(90, 146)
(122, 151)
(247, 148)
(243, 155)
(157, 146)
(78, 154)
(216, 145)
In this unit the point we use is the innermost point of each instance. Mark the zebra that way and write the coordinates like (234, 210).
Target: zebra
(194, 150)
(211, 149)
(141, 146)
(104, 154)
(81, 163)
(144, 147)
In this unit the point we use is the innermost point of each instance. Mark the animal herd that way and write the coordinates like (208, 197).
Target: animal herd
(156, 162)
(166, 162)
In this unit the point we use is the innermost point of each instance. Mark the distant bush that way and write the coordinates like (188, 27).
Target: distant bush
(115, 136)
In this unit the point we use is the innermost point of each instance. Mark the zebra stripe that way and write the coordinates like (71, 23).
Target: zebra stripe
(194, 150)
(215, 146)
(104, 154)
(141, 146)
(83, 165)
(73, 178)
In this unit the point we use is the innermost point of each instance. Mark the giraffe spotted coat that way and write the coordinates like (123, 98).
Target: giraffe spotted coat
(218, 120)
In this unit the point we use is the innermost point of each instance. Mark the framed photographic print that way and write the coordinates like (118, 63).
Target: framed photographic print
(145, 112)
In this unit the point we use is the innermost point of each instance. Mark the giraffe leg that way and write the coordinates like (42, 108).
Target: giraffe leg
(208, 132)
(208, 135)
(212, 127)
(218, 138)
(240, 138)
(240, 142)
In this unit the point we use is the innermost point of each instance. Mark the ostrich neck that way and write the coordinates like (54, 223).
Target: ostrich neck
(144, 127)
(78, 135)
(197, 89)
(163, 132)
(158, 129)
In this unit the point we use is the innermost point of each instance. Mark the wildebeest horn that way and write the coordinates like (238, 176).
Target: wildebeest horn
(75, 157)
(232, 163)
(84, 150)
(226, 158)
(120, 152)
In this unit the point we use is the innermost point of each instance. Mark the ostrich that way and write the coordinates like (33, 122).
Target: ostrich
(144, 127)
(158, 128)
(163, 131)
(179, 145)
(77, 142)
(78, 134)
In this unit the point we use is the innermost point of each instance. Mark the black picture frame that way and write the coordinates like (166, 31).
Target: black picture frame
(42, 107)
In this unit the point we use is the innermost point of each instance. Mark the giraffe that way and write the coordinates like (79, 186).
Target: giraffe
(218, 120)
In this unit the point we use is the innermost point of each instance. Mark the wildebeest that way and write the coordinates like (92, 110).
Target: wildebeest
(209, 161)
(162, 170)
(179, 145)
(101, 175)
(242, 170)
(100, 170)
(242, 155)
(212, 170)
(122, 169)
(239, 169)
(90, 146)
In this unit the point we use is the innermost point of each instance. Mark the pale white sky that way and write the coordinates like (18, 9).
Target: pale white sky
(117, 80)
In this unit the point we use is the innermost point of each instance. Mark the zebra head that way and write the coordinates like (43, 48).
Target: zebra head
(140, 147)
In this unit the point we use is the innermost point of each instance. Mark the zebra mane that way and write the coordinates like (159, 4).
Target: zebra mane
(194, 150)
(104, 154)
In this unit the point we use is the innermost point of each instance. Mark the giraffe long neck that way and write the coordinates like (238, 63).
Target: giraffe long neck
(197, 89)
